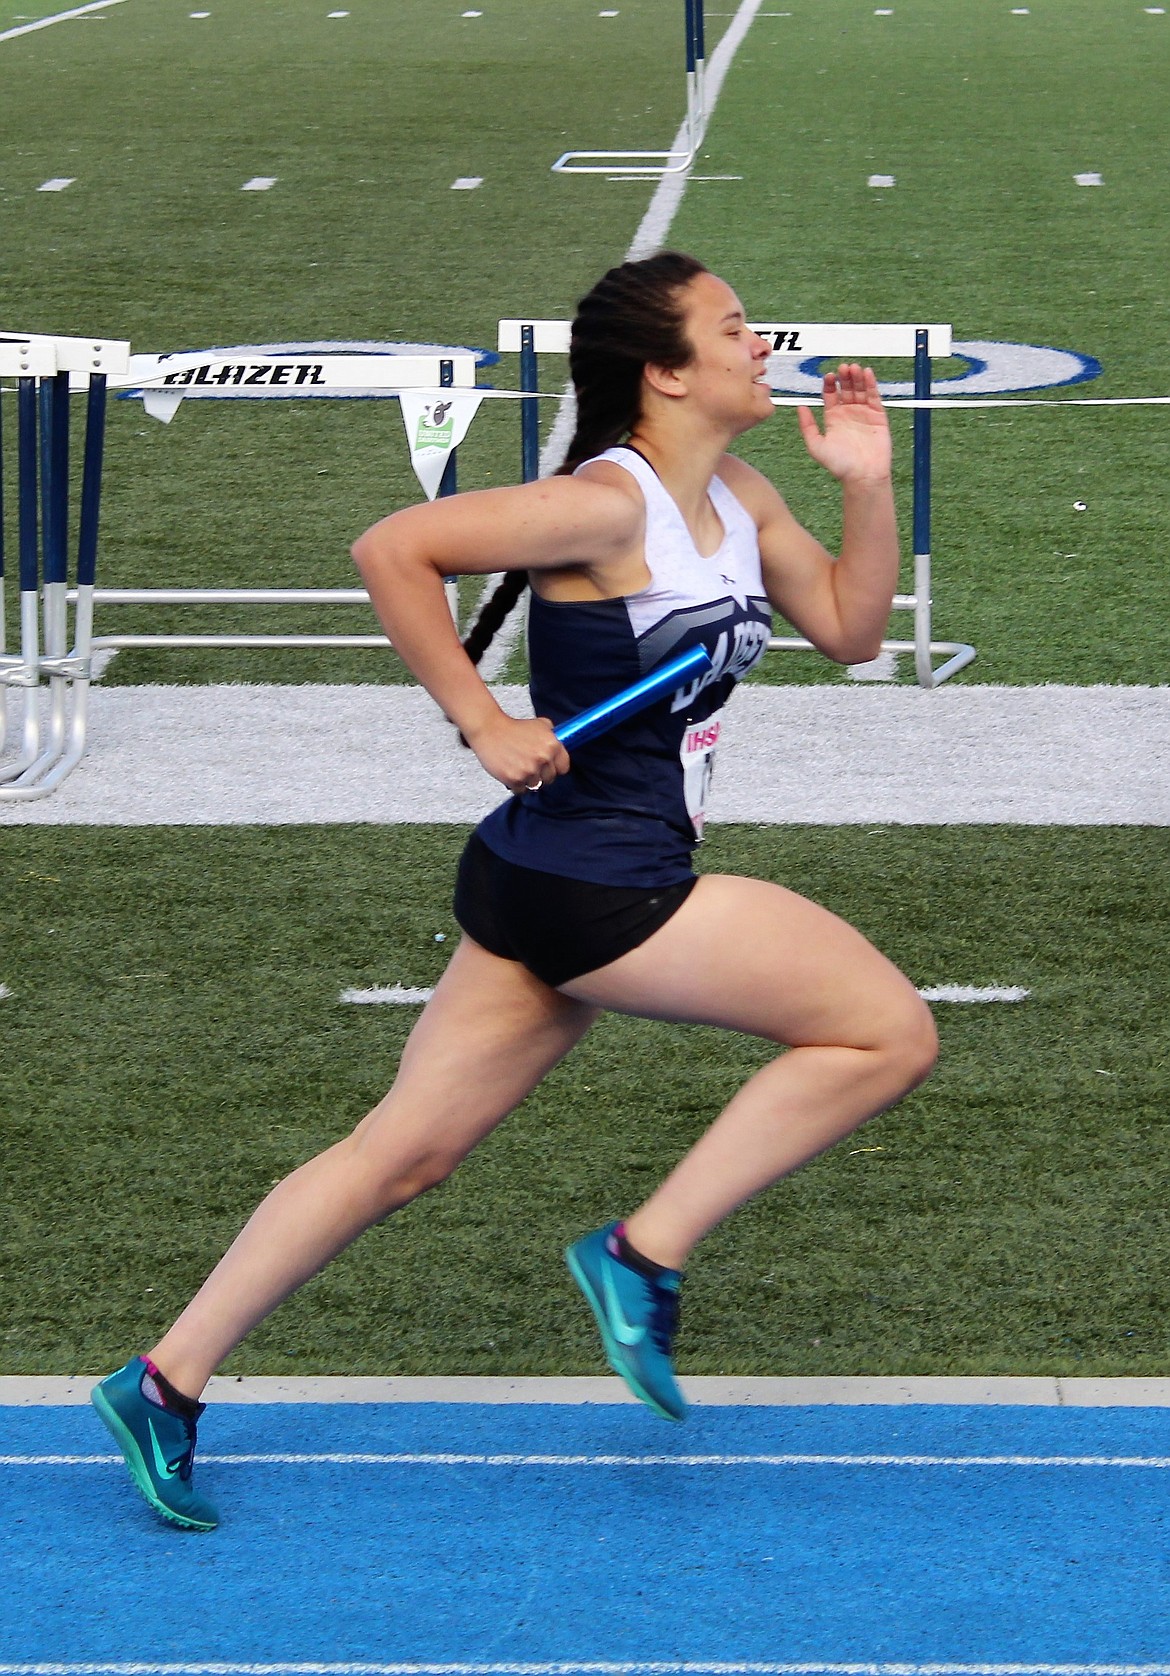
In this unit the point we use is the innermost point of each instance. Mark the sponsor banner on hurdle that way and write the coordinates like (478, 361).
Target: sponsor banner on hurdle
(434, 426)
(436, 422)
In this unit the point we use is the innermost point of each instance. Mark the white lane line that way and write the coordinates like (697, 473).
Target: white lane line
(397, 995)
(57, 184)
(1157, 1463)
(259, 183)
(59, 17)
(466, 183)
(584, 1667)
(1088, 180)
(881, 180)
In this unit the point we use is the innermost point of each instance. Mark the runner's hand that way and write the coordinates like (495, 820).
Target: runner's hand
(855, 445)
(523, 755)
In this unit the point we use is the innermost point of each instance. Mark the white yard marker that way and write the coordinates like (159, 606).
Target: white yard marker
(608, 14)
(884, 11)
(57, 185)
(198, 14)
(472, 14)
(395, 996)
(964, 993)
(337, 14)
(466, 183)
(1088, 180)
(880, 180)
(259, 183)
(5, 992)
(58, 17)
(1154, 11)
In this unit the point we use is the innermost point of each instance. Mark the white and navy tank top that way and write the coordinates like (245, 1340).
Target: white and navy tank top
(632, 807)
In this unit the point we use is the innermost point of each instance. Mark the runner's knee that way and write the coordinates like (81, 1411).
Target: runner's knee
(392, 1181)
(912, 1042)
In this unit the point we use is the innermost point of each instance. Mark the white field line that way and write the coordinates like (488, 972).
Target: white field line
(1160, 1463)
(397, 995)
(651, 234)
(60, 17)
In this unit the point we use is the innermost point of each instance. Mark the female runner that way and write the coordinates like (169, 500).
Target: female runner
(577, 893)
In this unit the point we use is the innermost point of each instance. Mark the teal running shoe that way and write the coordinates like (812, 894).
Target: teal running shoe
(638, 1318)
(157, 1445)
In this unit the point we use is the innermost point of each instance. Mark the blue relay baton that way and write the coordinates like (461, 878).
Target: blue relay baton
(589, 723)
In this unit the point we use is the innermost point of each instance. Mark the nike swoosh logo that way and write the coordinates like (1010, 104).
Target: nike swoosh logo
(621, 1328)
(160, 1460)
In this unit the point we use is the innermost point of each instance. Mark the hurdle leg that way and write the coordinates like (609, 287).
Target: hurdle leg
(54, 544)
(4, 658)
(26, 672)
(75, 667)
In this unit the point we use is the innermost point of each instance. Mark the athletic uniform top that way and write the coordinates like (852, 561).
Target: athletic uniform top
(631, 809)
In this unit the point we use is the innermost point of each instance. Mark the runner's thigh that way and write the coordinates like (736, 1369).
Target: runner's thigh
(752, 956)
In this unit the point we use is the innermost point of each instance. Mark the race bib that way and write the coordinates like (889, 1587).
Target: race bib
(697, 754)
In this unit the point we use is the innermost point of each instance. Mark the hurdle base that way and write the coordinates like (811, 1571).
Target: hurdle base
(626, 165)
(928, 676)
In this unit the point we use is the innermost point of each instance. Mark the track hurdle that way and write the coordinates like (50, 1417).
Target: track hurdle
(42, 368)
(652, 165)
(165, 381)
(529, 339)
(47, 370)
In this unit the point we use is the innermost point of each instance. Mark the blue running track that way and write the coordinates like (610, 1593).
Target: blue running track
(492, 1538)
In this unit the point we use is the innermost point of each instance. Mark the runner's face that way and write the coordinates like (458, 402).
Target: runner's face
(726, 372)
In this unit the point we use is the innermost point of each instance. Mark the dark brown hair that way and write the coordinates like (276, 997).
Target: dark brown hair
(632, 317)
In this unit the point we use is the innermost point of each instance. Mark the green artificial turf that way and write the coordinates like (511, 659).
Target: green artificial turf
(982, 117)
(174, 1044)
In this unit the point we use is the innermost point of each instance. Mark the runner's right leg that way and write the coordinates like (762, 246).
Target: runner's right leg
(488, 1036)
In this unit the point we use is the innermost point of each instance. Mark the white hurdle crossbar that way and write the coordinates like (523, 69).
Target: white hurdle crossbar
(46, 370)
(800, 342)
(652, 165)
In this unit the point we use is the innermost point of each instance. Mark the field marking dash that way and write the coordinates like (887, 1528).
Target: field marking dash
(466, 183)
(1088, 180)
(881, 180)
(966, 993)
(57, 184)
(395, 995)
(399, 995)
(59, 17)
(259, 183)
